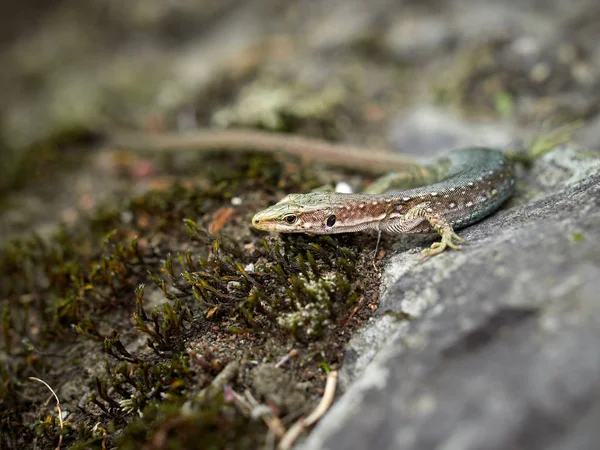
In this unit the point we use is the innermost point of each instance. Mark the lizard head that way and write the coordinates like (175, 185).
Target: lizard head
(298, 213)
(312, 213)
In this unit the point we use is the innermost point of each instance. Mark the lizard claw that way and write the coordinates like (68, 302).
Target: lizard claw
(449, 240)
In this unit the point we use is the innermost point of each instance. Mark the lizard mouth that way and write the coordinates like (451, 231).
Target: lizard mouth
(256, 222)
(262, 222)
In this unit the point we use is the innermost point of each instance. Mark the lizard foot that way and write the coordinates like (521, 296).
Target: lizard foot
(449, 240)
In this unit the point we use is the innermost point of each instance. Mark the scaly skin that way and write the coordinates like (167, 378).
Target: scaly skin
(471, 184)
(459, 190)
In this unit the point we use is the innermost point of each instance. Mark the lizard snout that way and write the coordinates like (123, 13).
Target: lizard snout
(256, 221)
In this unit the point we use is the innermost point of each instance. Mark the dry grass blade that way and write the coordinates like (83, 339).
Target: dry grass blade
(326, 401)
(60, 420)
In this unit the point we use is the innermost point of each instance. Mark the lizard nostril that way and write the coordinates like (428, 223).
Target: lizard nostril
(256, 221)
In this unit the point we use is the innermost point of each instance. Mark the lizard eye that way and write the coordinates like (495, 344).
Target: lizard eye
(331, 220)
(290, 219)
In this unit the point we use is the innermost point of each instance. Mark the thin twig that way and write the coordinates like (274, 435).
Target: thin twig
(60, 420)
(291, 354)
(326, 401)
(368, 160)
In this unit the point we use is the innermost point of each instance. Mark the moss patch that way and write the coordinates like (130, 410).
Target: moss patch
(157, 319)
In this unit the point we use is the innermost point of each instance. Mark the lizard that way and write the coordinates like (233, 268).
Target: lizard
(455, 191)
(467, 186)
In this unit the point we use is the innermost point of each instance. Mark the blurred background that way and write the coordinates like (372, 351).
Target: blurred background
(414, 76)
(417, 76)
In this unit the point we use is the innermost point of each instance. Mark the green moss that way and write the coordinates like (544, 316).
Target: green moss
(504, 103)
(140, 308)
(22, 166)
(266, 103)
(179, 424)
(543, 142)
(546, 141)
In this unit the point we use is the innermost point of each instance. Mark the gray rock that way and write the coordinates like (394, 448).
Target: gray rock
(427, 131)
(501, 350)
(589, 136)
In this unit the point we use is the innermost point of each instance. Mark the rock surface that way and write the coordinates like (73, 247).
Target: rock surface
(492, 347)
(502, 347)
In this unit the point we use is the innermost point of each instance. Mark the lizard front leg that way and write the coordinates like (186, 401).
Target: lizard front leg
(439, 223)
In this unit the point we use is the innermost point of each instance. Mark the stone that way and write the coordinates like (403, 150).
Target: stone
(428, 130)
(501, 348)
